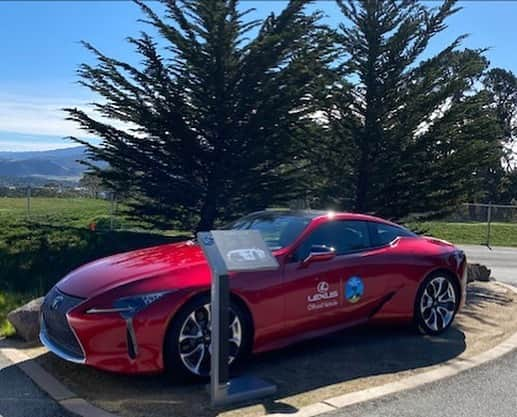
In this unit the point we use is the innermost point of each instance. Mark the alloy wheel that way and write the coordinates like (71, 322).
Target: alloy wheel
(438, 303)
(194, 343)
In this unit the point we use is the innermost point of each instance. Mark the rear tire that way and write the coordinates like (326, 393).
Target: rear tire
(187, 344)
(436, 304)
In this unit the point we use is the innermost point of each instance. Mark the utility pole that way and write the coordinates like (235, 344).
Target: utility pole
(28, 202)
(488, 221)
(112, 209)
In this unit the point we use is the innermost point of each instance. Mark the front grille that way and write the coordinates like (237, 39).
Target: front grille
(57, 329)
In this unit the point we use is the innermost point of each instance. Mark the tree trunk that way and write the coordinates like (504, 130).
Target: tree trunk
(361, 202)
(208, 212)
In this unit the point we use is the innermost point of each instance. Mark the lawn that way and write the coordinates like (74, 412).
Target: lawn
(501, 234)
(8, 302)
(42, 205)
(37, 251)
(78, 212)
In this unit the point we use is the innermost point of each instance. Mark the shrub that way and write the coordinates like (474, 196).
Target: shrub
(34, 256)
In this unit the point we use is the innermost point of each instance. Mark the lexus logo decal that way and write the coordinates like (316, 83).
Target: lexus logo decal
(323, 298)
(323, 286)
(56, 302)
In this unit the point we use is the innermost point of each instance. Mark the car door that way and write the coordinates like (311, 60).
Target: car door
(374, 273)
(314, 291)
(336, 292)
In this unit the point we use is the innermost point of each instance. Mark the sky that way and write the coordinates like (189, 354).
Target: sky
(40, 52)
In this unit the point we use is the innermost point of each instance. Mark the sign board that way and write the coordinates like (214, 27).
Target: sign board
(237, 251)
(231, 251)
(244, 250)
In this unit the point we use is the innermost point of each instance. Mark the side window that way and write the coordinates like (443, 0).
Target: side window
(383, 234)
(344, 236)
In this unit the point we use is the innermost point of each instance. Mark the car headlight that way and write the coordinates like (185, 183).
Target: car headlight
(129, 306)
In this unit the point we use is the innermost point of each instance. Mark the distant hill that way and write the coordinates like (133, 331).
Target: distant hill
(58, 163)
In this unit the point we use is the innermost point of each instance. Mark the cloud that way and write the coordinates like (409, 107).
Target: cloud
(12, 146)
(38, 122)
(38, 115)
(19, 142)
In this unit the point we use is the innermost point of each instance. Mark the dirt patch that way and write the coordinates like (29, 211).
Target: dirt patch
(308, 372)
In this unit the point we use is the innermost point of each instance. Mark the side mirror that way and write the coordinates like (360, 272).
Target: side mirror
(319, 253)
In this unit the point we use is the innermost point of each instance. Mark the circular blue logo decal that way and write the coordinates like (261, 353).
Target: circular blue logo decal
(354, 289)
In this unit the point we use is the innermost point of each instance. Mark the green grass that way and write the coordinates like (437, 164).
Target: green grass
(36, 252)
(8, 302)
(501, 234)
(79, 212)
(44, 205)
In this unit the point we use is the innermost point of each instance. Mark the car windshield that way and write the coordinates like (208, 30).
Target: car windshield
(277, 229)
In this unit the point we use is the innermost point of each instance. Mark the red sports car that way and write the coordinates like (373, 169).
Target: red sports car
(149, 310)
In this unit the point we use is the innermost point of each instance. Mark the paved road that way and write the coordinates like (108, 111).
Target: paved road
(502, 261)
(19, 397)
(487, 391)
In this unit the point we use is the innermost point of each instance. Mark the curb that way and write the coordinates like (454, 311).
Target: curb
(71, 402)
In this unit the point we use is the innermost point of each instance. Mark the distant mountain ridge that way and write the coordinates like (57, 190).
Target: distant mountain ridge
(60, 163)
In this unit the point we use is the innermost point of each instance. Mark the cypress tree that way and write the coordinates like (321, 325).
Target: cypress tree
(501, 179)
(421, 132)
(501, 85)
(213, 121)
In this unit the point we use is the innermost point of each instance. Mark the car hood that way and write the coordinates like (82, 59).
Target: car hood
(104, 274)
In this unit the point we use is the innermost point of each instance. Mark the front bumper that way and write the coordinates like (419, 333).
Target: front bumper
(106, 341)
(55, 348)
(56, 333)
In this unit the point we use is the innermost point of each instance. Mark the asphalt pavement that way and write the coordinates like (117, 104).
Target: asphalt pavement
(486, 391)
(20, 397)
(502, 261)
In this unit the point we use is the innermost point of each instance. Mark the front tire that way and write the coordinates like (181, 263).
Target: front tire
(188, 341)
(436, 304)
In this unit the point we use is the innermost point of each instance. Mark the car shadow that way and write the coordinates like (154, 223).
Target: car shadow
(357, 353)
(345, 356)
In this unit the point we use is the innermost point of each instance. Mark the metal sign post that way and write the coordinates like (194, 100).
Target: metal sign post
(488, 220)
(231, 251)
